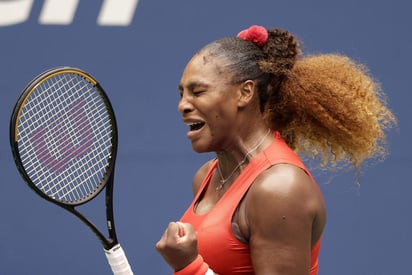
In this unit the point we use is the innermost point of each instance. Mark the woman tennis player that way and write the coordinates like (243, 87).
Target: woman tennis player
(257, 103)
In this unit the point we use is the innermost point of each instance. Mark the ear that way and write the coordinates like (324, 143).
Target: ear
(247, 90)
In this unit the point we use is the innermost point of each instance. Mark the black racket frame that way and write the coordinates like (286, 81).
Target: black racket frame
(107, 180)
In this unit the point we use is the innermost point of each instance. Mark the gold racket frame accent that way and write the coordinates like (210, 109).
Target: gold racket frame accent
(41, 79)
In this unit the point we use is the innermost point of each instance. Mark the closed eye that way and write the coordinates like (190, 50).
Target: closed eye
(195, 88)
(199, 92)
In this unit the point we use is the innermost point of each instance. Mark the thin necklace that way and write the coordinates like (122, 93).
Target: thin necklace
(248, 153)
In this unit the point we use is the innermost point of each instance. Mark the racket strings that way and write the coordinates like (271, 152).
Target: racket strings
(32, 121)
(65, 123)
(82, 127)
(43, 100)
(75, 188)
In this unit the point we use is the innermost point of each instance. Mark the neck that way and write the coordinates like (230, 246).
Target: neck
(233, 161)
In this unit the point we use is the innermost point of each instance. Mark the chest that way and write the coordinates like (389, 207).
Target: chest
(218, 241)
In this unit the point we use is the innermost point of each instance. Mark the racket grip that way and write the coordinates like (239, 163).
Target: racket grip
(118, 261)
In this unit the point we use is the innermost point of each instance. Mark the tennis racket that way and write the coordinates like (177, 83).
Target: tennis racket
(63, 136)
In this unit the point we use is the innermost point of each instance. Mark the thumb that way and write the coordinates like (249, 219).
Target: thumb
(181, 232)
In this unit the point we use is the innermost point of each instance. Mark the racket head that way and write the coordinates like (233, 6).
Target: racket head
(63, 135)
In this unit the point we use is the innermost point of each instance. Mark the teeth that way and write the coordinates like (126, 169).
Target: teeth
(195, 125)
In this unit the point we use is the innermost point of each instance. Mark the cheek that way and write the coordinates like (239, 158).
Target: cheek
(222, 112)
(220, 116)
(216, 122)
(222, 120)
(225, 113)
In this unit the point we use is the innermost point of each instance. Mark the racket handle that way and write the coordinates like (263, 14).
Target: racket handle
(118, 261)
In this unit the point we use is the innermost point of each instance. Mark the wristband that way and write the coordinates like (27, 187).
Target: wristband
(197, 267)
(210, 272)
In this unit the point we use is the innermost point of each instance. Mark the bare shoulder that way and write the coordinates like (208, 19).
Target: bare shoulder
(285, 192)
(284, 183)
(200, 175)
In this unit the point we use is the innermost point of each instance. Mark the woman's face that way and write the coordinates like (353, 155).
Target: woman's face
(208, 103)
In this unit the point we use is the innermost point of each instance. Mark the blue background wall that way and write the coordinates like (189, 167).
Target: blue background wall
(139, 65)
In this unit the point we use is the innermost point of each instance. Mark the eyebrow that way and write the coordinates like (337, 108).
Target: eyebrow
(192, 85)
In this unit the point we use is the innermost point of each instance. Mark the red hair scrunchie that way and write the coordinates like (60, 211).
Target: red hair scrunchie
(256, 34)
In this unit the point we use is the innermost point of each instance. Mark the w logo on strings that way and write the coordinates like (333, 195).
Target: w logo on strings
(63, 140)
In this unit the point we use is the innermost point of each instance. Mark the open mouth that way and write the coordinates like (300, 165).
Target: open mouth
(196, 126)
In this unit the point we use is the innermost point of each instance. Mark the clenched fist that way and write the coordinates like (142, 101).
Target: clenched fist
(178, 245)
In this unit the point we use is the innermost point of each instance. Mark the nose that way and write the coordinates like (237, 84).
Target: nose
(184, 105)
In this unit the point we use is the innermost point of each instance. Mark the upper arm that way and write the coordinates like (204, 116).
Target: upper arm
(283, 209)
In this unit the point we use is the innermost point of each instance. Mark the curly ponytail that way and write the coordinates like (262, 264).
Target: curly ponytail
(332, 108)
(325, 106)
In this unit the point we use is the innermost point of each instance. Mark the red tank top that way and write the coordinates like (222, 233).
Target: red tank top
(216, 243)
